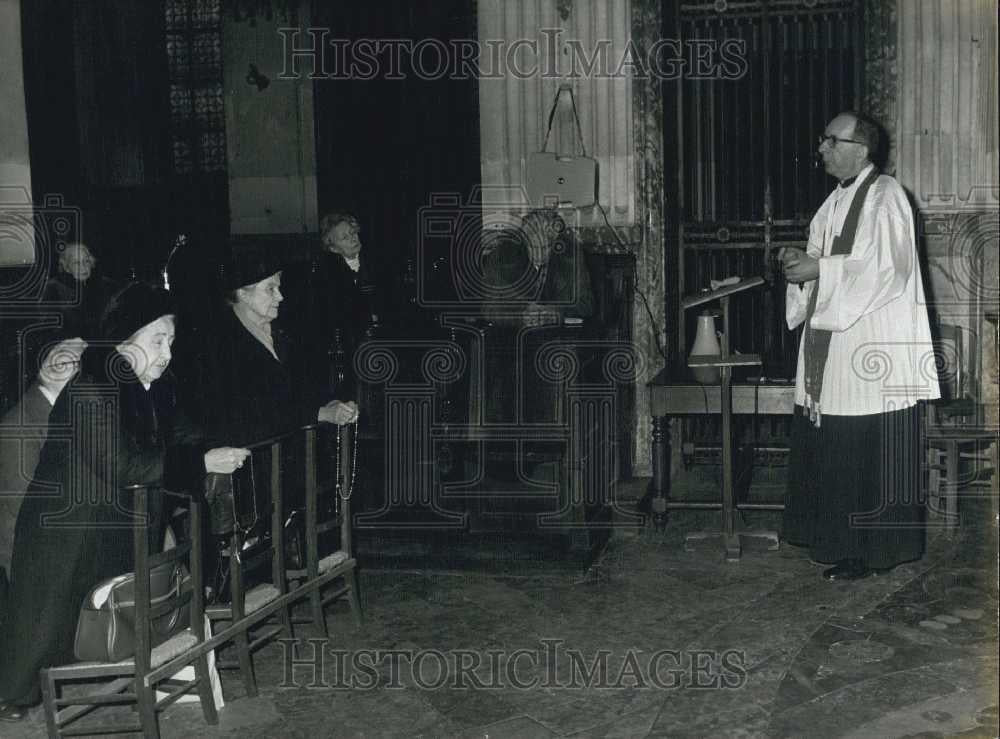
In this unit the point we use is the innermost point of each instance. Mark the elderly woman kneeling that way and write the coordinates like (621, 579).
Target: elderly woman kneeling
(252, 381)
(73, 529)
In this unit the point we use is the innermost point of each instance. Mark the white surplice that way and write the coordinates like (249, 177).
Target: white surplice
(872, 300)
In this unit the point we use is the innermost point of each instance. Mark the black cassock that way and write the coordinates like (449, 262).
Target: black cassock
(106, 431)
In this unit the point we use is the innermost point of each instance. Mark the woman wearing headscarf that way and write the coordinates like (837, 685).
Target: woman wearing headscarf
(74, 526)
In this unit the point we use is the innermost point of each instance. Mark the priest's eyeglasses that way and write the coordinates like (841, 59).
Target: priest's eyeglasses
(834, 140)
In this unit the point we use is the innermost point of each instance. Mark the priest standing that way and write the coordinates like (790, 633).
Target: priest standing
(855, 497)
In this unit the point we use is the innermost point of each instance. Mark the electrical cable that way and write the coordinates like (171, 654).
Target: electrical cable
(756, 442)
(635, 286)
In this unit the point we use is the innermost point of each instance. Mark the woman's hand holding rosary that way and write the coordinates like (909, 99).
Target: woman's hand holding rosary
(225, 460)
(338, 412)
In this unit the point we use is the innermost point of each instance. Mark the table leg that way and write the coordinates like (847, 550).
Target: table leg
(655, 500)
(730, 538)
(951, 482)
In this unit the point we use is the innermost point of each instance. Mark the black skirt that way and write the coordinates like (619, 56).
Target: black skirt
(855, 488)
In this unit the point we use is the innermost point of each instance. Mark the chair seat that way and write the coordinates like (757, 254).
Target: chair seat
(160, 655)
(332, 560)
(260, 596)
(142, 679)
(325, 565)
(956, 408)
(173, 647)
(961, 433)
(256, 599)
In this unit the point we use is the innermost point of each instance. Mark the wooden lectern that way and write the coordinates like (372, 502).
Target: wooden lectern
(725, 362)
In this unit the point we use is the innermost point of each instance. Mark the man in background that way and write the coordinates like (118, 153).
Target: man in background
(78, 291)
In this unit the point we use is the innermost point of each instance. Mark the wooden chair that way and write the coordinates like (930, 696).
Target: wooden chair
(251, 608)
(328, 509)
(137, 680)
(953, 423)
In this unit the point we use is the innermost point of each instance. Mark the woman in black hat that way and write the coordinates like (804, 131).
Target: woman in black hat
(251, 384)
(74, 527)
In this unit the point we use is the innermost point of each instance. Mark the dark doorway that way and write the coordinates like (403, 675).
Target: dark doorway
(388, 140)
(744, 181)
(743, 150)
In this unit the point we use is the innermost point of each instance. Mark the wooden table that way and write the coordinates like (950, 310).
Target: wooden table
(669, 397)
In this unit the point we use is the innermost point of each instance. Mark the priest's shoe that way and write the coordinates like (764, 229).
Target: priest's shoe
(848, 569)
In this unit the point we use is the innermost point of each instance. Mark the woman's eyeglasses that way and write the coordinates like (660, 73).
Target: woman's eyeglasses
(834, 140)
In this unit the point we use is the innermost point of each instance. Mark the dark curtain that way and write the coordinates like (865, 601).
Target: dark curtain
(100, 119)
(97, 94)
(384, 146)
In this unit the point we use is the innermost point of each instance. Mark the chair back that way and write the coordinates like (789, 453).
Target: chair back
(328, 500)
(158, 614)
(249, 556)
(329, 570)
(157, 662)
(948, 348)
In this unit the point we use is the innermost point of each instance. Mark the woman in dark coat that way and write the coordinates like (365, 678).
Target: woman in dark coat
(252, 382)
(349, 284)
(249, 383)
(114, 425)
(26, 425)
(334, 308)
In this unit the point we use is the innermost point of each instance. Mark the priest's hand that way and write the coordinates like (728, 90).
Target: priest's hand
(799, 267)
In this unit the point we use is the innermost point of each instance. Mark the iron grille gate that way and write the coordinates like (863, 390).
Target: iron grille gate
(748, 180)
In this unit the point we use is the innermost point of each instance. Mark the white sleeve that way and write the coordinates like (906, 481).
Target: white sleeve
(797, 296)
(874, 273)
(797, 302)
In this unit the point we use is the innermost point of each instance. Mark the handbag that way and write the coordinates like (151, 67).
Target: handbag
(221, 503)
(105, 630)
(224, 519)
(227, 489)
(556, 180)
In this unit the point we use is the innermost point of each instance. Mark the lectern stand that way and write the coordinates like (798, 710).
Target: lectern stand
(725, 362)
